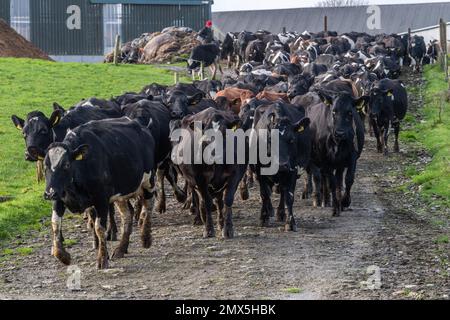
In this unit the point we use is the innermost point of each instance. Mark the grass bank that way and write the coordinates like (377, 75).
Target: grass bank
(432, 132)
(27, 85)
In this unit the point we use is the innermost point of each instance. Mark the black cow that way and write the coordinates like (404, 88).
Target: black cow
(157, 117)
(97, 164)
(153, 89)
(294, 151)
(418, 51)
(210, 181)
(208, 54)
(338, 140)
(299, 85)
(209, 87)
(388, 105)
(255, 51)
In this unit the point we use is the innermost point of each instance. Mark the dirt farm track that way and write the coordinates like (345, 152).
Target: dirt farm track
(327, 258)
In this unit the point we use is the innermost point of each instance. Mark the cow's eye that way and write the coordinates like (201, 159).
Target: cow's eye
(67, 166)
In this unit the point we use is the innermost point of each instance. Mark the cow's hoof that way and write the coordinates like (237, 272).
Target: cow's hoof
(346, 201)
(111, 236)
(265, 223)
(336, 213)
(385, 153)
(305, 195)
(245, 194)
(180, 195)
(63, 256)
(102, 263)
(291, 227)
(209, 234)
(281, 215)
(396, 149)
(160, 207)
(146, 241)
(197, 221)
(118, 253)
(228, 232)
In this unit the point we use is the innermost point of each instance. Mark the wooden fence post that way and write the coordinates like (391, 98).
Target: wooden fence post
(176, 77)
(325, 23)
(116, 49)
(202, 71)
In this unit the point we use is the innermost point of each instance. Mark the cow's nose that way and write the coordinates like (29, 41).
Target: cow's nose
(175, 114)
(50, 195)
(339, 134)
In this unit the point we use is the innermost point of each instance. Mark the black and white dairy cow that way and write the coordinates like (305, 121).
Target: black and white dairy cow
(208, 54)
(338, 140)
(98, 164)
(388, 105)
(294, 152)
(212, 179)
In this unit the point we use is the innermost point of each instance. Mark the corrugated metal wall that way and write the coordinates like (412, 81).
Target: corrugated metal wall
(4, 10)
(137, 19)
(83, 28)
(20, 17)
(59, 28)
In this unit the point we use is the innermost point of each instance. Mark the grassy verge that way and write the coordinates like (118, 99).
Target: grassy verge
(433, 133)
(27, 85)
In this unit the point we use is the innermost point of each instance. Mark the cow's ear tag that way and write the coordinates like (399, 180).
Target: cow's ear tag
(19, 127)
(56, 121)
(40, 158)
(79, 157)
(389, 94)
(301, 129)
(235, 127)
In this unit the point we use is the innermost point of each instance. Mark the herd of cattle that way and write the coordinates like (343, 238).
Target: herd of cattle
(100, 156)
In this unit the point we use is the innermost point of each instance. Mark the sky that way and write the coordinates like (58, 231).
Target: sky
(234, 5)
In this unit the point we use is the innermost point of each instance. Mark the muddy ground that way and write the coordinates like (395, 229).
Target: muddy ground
(328, 258)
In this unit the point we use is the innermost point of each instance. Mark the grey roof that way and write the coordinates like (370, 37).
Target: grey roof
(394, 19)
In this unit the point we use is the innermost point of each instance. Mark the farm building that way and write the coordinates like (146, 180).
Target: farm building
(84, 30)
(423, 19)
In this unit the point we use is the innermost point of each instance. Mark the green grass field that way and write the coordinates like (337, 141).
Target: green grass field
(27, 85)
(434, 134)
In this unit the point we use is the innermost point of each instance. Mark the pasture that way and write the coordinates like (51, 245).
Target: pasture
(28, 85)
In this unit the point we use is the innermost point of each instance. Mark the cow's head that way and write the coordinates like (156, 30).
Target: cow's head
(59, 166)
(299, 85)
(343, 109)
(178, 103)
(38, 131)
(380, 100)
(288, 134)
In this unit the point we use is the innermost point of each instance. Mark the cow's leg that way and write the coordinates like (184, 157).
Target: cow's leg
(339, 182)
(396, 125)
(126, 228)
(161, 200)
(291, 224)
(205, 208)
(100, 228)
(317, 188)
(92, 216)
(220, 214)
(266, 210)
(58, 248)
(335, 201)
(171, 176)
(349, 180)
(385, 139)
(188, 203)
(229, 61)
(250, 178)
(111, 233)
(376, 132)
(281, 213)
(195, 211)
(243, 188)
(325, 192)
(307, 189)
(146, 214)
(230, 191)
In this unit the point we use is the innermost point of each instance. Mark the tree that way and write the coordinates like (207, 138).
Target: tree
(342, 3)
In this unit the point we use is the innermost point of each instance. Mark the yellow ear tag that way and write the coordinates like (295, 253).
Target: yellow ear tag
(40, 158)
(56, 121)
(301, 129)
(389, 94)
(19, 127)
(79, 157)
(234, 128)
(328, 103)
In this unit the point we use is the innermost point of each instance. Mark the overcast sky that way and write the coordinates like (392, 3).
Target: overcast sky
(233, 5)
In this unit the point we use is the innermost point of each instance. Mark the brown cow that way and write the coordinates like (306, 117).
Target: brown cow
(272, 96)
(235, 97)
